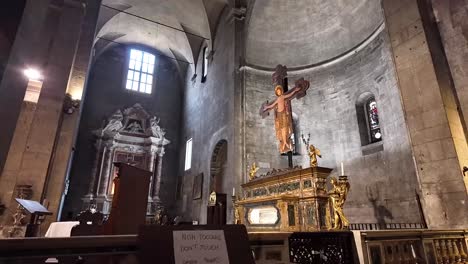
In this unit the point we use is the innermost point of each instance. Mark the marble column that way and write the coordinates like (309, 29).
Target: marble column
(106, 173)
(94, 171)
(152, 169)
(157, 184)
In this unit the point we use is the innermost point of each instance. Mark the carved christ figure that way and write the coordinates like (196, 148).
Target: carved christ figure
(282, 107)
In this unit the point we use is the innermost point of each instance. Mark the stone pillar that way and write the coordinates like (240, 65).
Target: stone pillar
(238, 153)
(452, 23)
(69, 128)
(41, 140)
(29, 49)
(443, 192)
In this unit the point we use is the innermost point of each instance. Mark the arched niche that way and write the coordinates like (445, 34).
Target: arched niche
(218, 166)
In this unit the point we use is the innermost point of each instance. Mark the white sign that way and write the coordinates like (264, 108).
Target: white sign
(200, 247)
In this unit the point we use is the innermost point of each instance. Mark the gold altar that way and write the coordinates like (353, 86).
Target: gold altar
(290, 200)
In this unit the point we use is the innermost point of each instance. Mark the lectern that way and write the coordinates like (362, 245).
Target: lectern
(36, 210)
(130, 200)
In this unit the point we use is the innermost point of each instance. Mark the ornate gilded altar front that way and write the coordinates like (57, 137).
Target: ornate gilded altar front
(290, 200)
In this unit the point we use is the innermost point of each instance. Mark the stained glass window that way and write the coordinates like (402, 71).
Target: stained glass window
(373, 120)
(140, 71)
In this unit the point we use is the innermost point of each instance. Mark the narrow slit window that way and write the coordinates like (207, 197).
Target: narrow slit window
(140, 71)
(205, 65)
(188, 155)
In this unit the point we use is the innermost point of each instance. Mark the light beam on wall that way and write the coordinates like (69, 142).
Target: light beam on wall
(33, 74)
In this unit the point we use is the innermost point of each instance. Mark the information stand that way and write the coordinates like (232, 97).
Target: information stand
(203, 244)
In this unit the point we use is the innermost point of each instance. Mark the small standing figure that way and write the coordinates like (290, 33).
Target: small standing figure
(253, 171)
(337, 198)
(237, 220)
(313, 153)
(158, 217)
(154, 128)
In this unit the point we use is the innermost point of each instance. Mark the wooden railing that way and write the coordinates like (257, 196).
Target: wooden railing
(438, 247)
(90, 249)
(390, 246)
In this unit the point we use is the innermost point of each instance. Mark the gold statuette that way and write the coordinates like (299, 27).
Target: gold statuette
(337, 196)
(313, 153)
(253, 171)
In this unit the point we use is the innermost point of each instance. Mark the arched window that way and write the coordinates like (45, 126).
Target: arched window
(373, 120)
(368, 119)
(140, 71)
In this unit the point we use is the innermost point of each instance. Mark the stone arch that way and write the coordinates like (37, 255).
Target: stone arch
(218, 166)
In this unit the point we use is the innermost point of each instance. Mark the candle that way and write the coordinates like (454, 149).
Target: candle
(342, 169)
(233, 191)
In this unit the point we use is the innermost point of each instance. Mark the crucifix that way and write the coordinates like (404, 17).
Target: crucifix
(282, 108)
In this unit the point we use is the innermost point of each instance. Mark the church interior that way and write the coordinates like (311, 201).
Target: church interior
(304, 131)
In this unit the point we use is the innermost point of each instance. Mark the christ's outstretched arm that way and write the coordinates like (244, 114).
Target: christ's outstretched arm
(292, 92)
(266, 107)
(299, 90)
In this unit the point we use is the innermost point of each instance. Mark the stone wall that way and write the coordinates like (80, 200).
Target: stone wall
(208, 117)
(105, 94)
(383, 181)
(428, 113)
(452, 21)
(8, 179)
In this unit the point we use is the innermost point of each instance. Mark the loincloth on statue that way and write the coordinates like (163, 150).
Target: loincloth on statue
(283, 121)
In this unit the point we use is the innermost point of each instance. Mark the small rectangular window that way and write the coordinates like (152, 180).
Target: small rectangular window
(140, 71)
(188, 155)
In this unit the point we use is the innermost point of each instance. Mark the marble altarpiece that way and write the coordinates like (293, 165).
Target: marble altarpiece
(130, 136)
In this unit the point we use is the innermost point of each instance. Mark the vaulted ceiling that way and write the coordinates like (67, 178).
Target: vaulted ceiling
(175, 28)
(302, 33)
(297, 33)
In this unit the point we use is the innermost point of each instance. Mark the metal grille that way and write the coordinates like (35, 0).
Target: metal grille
(322, 247)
